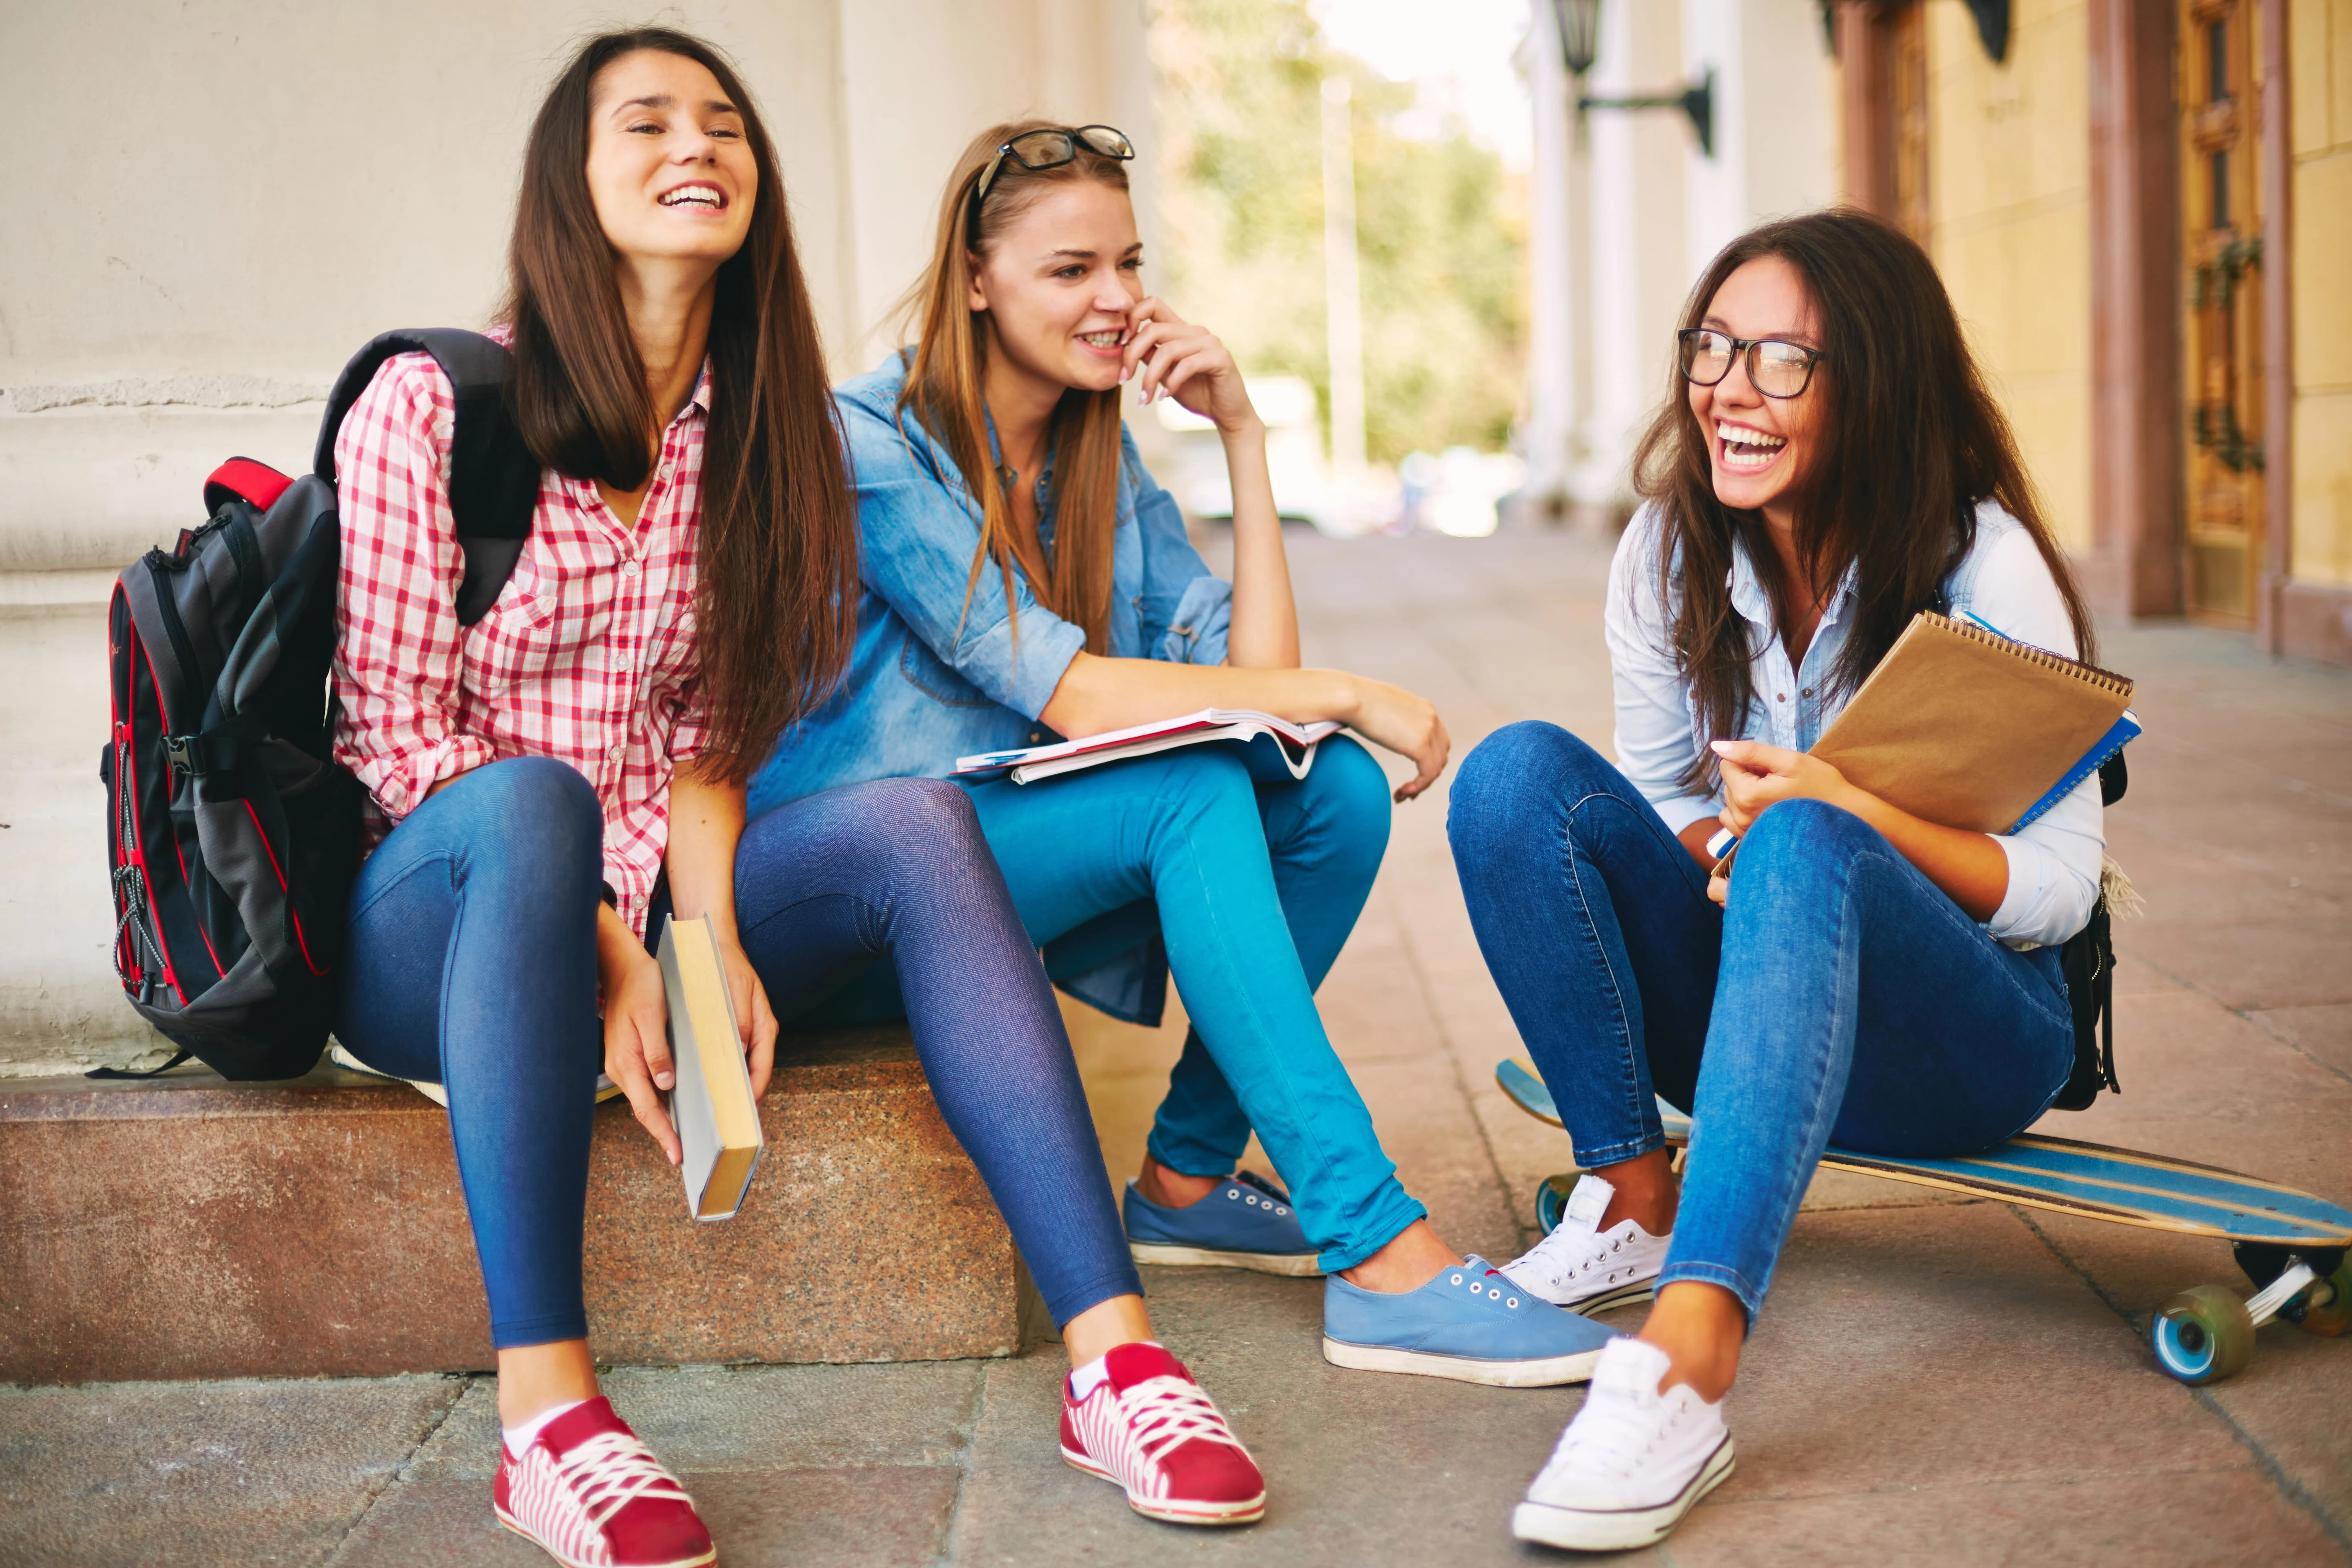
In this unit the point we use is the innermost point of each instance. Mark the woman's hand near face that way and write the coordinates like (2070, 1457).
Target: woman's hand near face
(1168, 356)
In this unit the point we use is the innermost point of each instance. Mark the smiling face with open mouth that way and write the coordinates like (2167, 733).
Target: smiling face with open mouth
(668, 167)
(1756, 446)
(1060, 282)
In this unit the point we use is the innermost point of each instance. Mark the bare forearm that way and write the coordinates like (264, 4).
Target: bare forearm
(1970, 868)
(706, 823)
(1098, 694)
(1263, 634)
(1694, 839)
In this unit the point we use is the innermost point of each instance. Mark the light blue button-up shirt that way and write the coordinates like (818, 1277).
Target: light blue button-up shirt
(2053, 864)
(932, 678)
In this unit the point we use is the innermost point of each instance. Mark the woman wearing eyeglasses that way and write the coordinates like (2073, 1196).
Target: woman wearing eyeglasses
(1025, 580)
(1829, 465)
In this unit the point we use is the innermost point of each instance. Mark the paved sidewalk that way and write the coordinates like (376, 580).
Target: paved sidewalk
(1933, 1381)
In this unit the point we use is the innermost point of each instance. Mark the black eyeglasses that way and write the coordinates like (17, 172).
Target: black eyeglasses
(1776, 367)
(1050, 149)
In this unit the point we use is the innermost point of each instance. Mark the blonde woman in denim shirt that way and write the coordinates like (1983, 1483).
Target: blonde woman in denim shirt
(1026, 580)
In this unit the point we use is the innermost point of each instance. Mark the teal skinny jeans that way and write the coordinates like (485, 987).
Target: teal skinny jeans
(1254, 887)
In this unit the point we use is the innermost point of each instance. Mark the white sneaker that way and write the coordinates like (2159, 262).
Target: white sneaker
(1632, 1463)
(1579, 1267)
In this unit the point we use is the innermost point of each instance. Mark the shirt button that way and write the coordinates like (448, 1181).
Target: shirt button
(1809, 691)
(628, 568)
(1780, 697)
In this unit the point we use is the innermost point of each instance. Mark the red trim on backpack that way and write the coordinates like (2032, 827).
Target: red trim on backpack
(243, 478)
(292, 914)
(136, 848)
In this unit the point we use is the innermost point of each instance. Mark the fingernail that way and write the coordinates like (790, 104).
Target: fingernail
(1720, 748)
(665, 1080)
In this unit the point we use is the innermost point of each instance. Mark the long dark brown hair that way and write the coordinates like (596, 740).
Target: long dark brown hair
(946, 384)
(776, 595)
(1910, 442)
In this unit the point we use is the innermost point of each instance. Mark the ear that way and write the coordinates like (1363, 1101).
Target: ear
(975, 294)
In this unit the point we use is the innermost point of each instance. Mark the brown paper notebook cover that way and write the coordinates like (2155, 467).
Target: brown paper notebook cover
(1961, 726)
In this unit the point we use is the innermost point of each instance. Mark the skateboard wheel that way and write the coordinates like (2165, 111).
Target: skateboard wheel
(2203, 1335)
(1551, 1200)
(2333, 1316)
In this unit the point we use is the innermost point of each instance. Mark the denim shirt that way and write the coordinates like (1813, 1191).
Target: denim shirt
(2053, 864)
(932, 678)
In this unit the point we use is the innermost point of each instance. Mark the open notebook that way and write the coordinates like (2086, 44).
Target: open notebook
(1962, 726)
(1271, 748)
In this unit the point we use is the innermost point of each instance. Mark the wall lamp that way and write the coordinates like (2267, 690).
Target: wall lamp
(1579, 45)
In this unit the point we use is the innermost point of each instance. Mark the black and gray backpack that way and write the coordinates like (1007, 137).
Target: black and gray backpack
(232, 834)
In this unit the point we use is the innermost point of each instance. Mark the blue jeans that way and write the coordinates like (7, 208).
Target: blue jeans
(471, 962)
(1254, 889)
(1841, 997)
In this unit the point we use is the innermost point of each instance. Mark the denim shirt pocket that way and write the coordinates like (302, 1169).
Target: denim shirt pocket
(929, 674)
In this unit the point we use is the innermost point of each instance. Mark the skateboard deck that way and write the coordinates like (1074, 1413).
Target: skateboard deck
(2093, 1180)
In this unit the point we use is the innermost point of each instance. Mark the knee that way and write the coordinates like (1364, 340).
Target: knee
(1521, 774)
(1197, 779)
(540, 807)
(1804, 833)
(1347, 789)
(914, 821)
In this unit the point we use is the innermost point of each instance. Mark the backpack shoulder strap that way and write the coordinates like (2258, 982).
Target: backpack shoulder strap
(493, 478)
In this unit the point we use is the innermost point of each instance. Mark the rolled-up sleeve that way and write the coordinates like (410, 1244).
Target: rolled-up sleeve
(919, 531)
(2054, 861)
(397, 644)
(1654, 741)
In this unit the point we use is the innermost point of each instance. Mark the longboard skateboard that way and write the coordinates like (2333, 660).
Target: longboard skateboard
(2290, 1242)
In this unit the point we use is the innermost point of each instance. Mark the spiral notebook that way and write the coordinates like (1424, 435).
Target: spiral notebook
(1962, 726)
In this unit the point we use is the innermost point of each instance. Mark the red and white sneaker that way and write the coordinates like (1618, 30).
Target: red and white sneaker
(1142, 1423)
(593, 1496)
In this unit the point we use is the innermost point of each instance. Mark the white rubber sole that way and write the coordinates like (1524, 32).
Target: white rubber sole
(1551, 1372)
(1588, 1530)
(1607, 1301)
(1245, 1512)
(1290, 1265)
(512, 1524)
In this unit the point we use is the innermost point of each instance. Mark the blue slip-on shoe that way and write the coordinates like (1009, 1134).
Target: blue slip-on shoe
(1247, 1223)
(1470, 1323)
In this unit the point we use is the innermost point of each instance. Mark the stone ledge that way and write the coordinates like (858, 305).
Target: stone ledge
(188, 1227)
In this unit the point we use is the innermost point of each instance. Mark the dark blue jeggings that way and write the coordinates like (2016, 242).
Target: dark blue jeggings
(471, 962)
(1839, 996)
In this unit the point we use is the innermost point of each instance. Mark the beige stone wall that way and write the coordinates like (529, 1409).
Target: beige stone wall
(2010, 190)
(248, 191)
(2320, 94)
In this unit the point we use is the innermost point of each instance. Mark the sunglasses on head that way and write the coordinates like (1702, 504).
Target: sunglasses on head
(1050, 149)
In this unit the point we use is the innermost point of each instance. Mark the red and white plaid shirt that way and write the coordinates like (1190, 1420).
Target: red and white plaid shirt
(587, 656)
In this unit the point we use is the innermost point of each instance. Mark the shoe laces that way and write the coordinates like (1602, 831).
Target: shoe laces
(1164, 1412)
(610, 1470)
(1566, 1253)
(1614, 1432)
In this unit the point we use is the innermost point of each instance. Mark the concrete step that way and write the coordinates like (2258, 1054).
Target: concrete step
(188, 1227)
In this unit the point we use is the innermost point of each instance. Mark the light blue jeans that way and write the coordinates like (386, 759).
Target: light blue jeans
(1840, 998)
(1254, 889)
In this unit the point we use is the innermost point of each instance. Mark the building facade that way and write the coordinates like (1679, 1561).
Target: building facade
(2143, 209)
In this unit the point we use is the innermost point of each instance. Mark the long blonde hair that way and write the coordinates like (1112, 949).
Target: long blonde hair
(945, 391)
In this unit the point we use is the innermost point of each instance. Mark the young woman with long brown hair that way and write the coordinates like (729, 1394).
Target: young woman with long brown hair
(1829, 464)
(1026, 580)
(556, 778)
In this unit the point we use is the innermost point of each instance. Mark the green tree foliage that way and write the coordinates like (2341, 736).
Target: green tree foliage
(1440, 235)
